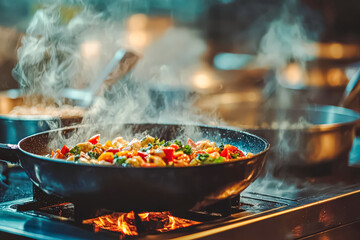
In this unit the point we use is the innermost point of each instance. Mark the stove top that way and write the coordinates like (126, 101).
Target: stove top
(281, 207)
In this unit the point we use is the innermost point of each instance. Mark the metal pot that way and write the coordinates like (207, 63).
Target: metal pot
(14, 128)
(306, 136)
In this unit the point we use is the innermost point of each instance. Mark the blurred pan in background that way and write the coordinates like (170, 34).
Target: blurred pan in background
(14, 127)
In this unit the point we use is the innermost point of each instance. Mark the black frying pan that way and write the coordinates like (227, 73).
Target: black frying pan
(141, 189)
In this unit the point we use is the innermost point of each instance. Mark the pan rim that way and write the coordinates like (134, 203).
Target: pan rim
(267, 144)
(8, 117)
(28, 117)
(323, 127)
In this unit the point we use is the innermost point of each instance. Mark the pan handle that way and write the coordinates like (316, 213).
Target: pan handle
(9, 153)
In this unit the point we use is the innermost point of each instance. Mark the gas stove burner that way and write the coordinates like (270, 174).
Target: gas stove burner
(317, 207)
(131, 223)
(223, 208)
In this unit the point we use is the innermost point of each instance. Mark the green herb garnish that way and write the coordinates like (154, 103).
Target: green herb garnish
(167, 144)
(119, 160)
(157, 142)
(221, 147)
(177, 142)
(93, 154)
(186, 149)
(202, 156)
(75, 150)
(76, 158)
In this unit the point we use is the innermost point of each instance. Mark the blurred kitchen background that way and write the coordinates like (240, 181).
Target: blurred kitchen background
(275, 52)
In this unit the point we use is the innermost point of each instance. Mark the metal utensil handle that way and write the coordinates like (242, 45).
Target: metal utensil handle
(107, 71)
(352, 90)
(9, 152)
(124, 66)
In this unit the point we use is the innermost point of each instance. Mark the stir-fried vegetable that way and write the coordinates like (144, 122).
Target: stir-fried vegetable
(186, 149)
(94, 139)
(149, 152)
(75, 150)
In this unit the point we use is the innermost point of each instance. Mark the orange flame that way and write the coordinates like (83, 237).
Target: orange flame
(144, 216)
(124, 226)
(125, 222)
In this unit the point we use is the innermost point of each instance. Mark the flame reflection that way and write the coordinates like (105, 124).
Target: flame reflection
(126, 224)
(297, 231)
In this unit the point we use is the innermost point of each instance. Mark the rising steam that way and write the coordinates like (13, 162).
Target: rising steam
(289, 39)
(57, 52)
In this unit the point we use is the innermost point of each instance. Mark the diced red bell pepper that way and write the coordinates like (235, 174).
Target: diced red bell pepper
(229, 150)
(234, 150)
(64, 150)
(169, 154)
(174, 146)
(237, 151)
(224, 153)
(113, 150)
(148, 165)
(230, 147)
(143, 155)
(94, 139)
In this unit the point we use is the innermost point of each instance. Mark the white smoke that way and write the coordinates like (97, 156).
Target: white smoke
(56, 53)
(287, 38)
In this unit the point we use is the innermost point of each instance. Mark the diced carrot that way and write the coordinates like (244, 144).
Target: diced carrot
(108, 144)
(124, 153)
(58, 154)
(106, 156)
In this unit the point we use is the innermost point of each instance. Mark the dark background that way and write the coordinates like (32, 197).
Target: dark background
(230, 25)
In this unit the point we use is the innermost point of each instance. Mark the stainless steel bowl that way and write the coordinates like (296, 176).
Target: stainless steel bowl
(305, 136)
